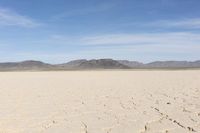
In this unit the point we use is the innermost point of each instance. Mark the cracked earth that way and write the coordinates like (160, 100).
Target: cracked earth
(100, 102)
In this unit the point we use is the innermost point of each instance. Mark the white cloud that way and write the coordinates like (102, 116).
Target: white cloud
(171, 38)
(193, 23)
(11, 18)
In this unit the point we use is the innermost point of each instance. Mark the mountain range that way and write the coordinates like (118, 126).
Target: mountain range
(84, 64)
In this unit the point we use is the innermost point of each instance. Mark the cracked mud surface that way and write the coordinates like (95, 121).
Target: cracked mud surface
(100, 102)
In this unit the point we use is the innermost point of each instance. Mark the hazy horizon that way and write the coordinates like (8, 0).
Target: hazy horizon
(64, 30)
(67, 61)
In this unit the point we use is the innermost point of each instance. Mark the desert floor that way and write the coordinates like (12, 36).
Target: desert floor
(100, 102)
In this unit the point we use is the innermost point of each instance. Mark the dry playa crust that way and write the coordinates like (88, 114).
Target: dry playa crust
(100, 102)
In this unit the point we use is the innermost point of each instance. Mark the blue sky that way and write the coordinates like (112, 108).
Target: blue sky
(57, 31)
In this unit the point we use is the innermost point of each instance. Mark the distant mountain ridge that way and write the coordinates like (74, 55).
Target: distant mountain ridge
(84, 64)
(25, 65)
(132, 64)
(95, 64)
(173, 64)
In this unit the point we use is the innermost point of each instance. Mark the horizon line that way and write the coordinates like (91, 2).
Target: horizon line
(99, 59)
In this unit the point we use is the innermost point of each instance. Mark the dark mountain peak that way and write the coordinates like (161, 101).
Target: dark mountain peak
(132, 64)
(93, 64)
(73, 63)
(102, 64)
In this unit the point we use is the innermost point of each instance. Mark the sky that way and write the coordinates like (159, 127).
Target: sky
(56, 31)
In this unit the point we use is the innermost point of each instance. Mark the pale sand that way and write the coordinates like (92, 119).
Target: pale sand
(100, 102)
